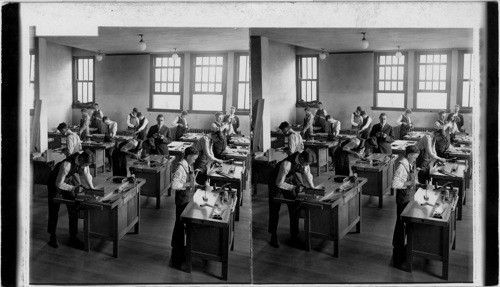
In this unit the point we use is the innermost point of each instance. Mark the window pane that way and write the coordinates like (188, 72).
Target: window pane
(170, 62)
(402, 60)
(204, 87)
(204, 77)
(431, 100)
(423, 59)
(170, 74)
(401, 72)
(465, 94)
(158, 61)
(197, 87)
(242, 68)
(435, 85)
(314, 67)
(157, 88)
(91, 93)
(437, 58)
(241, 96)
(211, 74)
(218, 74)
(422, 73)
(467, 66)
(218, 88)
(429, 73)
(207, 102)
(91, 70)
(314, 95)
(303, 93)
(443, 72)
(388, 60)
(391, 100)
(212, 61)
(421, 85)
(442, 86)
(435, 72)
(32, 68)
(163, 88)
(157, 75)
(394, 60)
(177, 73)
(80, 69)
(170, 88)
(394, 73)
(220, 61)
(382, 60)
(400, 85)
(428, 85)
(381, 85)
(85, 92)
(308, 91)
(163, 75)
(167, 102)
(394, 86)
(79, 92)
(198, 75)
(303, 68)
(199, 61)
(381, 73)
(177, 62)
(211, 88)
(206, 61)
(85, 69)
(176, 88)
(444, 58)
(429, 59)
(387, 73)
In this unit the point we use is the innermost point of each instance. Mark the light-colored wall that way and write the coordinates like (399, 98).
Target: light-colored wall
(123, 82)
(346, 81)
(56, 87)
(279, 87)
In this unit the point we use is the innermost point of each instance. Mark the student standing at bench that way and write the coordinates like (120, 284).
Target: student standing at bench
(295, 142)
(66, 179)
(132, 120)
(181, 124)
(206, 156)
(141, 130)
(285, 181)
(384, 135)
(183, 185)
(96, 118)
(220, 141)
(404, 123)
(84, 131)
(73, 142)
(158, 137)
(129, 148)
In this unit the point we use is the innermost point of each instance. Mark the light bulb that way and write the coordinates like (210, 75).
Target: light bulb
(399, 54)
(322, 56)
(99, 56)
(175, 57)
(365, 44)
(142, 44)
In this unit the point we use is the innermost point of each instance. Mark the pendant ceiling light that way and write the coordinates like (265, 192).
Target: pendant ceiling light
(175, 56)
(398, 53)
(99, 56)
(364, 42)
(323, 55)
(142, 45)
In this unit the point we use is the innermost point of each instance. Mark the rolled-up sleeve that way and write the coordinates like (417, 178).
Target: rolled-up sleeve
(64, 169)
(179, 178)
(87, 178)
(399, 177)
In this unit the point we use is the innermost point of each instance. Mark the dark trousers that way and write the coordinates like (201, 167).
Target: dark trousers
(398, 239)
(274, 211)
(54, 212)
(425, 168)
(331, 152)
(178, 243)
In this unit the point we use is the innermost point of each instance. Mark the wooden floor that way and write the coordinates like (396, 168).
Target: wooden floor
(143, 258)
(364, 257)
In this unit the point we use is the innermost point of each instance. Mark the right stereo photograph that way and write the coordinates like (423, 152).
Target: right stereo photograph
(363, 152)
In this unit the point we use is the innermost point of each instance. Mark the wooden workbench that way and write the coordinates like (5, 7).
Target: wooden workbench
(157, 175)
(209, 238)
(399, 146)
(457, 178)
(430, 237)
(415, 136)
(112, 216)
(239, 141)
(331, 219)
(99, 149)
(232, 174)
(191, 137)
(263, 165)
(463, 139)
(320, 150)
(378, 169)
(324, 136)
(462, 152)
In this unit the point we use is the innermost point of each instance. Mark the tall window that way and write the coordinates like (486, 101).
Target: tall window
(83, 86)
(166, 82)
(242, 83)
(433, 80)
(307, 78)
(209, 83)
(32, 88)
(465, 88)
(390, 80)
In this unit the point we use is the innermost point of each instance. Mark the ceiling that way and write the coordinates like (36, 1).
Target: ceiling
(349, 39)
(124, 40)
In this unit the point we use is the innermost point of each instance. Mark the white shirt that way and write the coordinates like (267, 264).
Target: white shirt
(399, 121)
(112, 128)
(206, 144)
(180, 177)
(215, 127)
(132, 121)
(64, 184)
(143, 125)
(73, 142)
(285, 169)
(176, 123)
(335, 127)
(295, 141)
(402, 174)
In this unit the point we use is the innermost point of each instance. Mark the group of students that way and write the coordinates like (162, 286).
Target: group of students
(72, 174)
(284, 180)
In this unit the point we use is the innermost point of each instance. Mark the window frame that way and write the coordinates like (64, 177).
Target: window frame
(34, 52)
(460, 80)
(416, 78)
(193, 80)
(236, 82)
(298, 66)
(152, 83)
(376, 81)
(75, 82)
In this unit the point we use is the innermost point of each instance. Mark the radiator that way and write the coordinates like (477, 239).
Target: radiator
(415, 129)
(204, 131)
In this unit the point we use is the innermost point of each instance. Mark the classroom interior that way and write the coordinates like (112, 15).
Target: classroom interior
(296, 67)
(198, 70)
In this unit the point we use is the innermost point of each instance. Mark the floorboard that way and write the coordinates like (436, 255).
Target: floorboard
(364, 257)
(143, 258)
